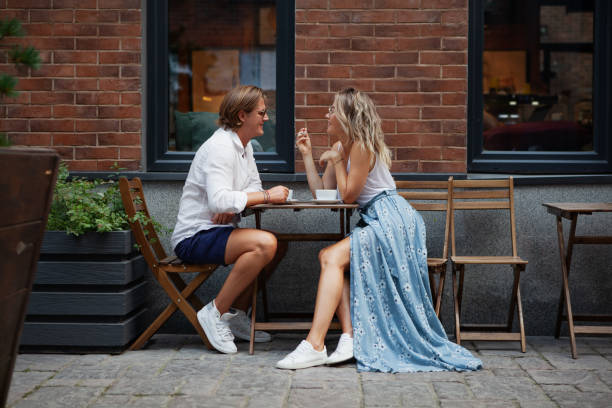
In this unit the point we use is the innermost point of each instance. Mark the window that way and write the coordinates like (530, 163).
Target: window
(539, 87)
(197, 50)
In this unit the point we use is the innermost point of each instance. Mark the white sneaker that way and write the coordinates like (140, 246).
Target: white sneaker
(241, 328)
(302, 357)
(217, 328)
(344, 351)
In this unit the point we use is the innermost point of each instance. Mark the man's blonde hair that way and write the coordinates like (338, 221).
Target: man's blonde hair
(244, 97)
(358, 117)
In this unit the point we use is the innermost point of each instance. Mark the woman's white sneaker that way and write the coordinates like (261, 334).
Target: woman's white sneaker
(217, 328)
(344, 351)
(302, 357)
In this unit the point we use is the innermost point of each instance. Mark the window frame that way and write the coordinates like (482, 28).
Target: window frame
(597, 161)
(158, 157)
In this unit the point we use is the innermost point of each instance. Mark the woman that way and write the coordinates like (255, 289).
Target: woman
(222, 181)
(386, 304)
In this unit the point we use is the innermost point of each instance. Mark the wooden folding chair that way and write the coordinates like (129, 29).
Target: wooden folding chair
(431, 196)
(166, 269)
(495, 195)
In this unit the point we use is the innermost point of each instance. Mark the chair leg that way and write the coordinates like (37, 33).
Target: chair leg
(515, 287)
(439, 292)
(264, 295)
(460, 293)
(456, 307)
(253, 315)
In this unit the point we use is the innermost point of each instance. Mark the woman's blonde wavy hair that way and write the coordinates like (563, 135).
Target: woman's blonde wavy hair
(358, 117)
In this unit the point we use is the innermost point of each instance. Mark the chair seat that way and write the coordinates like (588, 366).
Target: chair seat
(489, 260)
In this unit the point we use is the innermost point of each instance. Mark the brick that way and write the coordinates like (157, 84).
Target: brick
(442, 167)
(119, 139)
(82, 165)
(28, 4)
(52, 125)
(51, 16)
(315, 125)
(300, 72)
(66, 153)
(310, 4)
(29, 111)
(454, 99)
(78, 57)
(376, 16)
(455, 44)
(35, 30)
(446, 4)
(119, 84)
(51, 98)
(129, 165)
(306, 85)
(437, 30)
(119, 57)
(396, 85)
(364, 85)
(49, 71)
(454, 71)
(97, 71)
(443, 57)
(399, 112)
(382, 99)
(388, 126)
(350, 4)
(46, 43)
(316, 16)
(119, 112)
(97, 43)
(373, 72)
(75, 4)
(420, 71)
(419, 153)
(72, 111)
(75, 84)
(303, 57)
(312, 30)
(131, 71)
(418, 99)
(396, 4)
(300, 16)
(130, 153)
(397, 30)
(131, 98)
(418, 16)
(439, 139)
(22, 98)
(310, 112)
(14, 125)
(21, 15)
(454, 126)
(97, 125)
(96, 153)
(334, 71)
(443, 85)
(444, 112)
(373, 44)
(455, 17)
(351, 30)
(418, 44)
(402, 140)
(357, 58)
(131, 44)
(405, 166)
(121, 30)
(74, 139)
(107, 98)
(418, 126)
(34, 84)
(119, 4)
(131, 125)
(326, 44)
(30, 139)
(105, 16)
(72, 30)
(454, 153)
(130, 16)
(396, 57)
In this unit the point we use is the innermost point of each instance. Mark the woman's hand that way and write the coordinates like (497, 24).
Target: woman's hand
(278, 194)
(332, 156)
(303, 142)
(222, 218)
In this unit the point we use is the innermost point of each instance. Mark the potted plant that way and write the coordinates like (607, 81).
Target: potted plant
(90, 291)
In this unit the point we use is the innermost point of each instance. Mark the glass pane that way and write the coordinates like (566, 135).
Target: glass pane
(537, 75)
(214, 46)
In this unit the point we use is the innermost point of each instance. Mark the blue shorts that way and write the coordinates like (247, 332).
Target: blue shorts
(206, 246)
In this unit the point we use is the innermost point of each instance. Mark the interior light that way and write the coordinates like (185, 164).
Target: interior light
(207, 99)
(512, 103)
(535, 103)
(514, 116)
(503, 116)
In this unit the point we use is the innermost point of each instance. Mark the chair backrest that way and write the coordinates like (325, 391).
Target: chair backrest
(429, 196)
(483, 195)
(140, 220)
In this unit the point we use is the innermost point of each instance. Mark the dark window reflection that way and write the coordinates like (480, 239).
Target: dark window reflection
(215, 45)
(538, 75)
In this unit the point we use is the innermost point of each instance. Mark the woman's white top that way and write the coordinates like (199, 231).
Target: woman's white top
(222, 172)
(379, 179)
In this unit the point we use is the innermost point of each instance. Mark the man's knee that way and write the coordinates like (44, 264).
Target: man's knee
(267, 244)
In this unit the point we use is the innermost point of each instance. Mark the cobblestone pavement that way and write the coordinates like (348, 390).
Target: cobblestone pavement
(178, 371)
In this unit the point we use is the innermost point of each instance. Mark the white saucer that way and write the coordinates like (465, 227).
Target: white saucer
(326, 201)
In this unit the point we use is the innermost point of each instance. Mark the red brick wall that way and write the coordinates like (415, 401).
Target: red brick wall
(85, 100)
(410, 56)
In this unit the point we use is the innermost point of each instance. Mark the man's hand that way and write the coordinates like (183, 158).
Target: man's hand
(222, 218)
(278, 194)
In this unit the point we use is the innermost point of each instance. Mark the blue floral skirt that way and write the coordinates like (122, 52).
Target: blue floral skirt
(394, 324)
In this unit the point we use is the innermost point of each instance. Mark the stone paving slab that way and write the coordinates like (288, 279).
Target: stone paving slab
(178, 371)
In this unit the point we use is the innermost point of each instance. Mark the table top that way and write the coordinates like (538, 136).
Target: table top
(578, 208)
(299, 205)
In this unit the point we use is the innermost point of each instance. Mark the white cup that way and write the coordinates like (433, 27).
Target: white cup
(325, 194)
(290, 196)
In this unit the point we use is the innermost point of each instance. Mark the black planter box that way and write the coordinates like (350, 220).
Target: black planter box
(89, 294)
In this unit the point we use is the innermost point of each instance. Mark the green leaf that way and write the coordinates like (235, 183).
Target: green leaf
(7, 86)
(10, 28)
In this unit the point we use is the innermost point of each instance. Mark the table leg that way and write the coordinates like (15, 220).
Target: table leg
(565, 293)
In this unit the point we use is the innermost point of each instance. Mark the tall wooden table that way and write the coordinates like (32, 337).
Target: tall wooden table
(571, 211)
(344, 211)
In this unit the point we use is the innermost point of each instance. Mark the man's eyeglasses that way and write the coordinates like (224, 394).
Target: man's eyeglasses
(331, 109)
(262, 113)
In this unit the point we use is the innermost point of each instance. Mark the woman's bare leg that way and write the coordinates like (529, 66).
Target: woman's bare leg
(249, 250)
(334, 260)
(344, 308)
